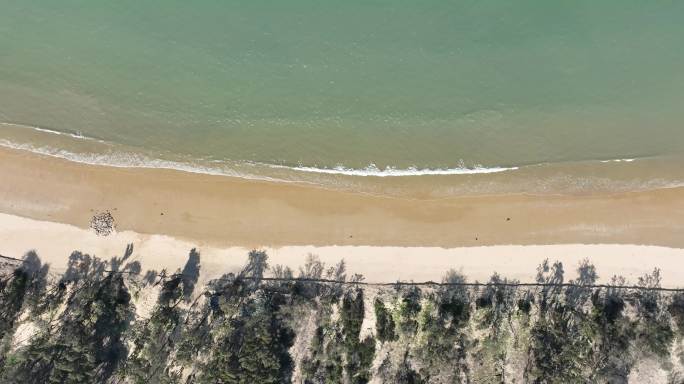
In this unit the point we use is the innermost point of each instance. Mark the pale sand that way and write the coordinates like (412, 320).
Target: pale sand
(54, 242)
(224, 211)
(165, 213)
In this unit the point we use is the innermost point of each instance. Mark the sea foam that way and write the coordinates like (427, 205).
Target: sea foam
(618, 161)
(118, 159)
(373, 171)
(128, 159)
(75, 135)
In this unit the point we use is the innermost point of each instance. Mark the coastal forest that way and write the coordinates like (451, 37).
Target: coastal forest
(108, 321)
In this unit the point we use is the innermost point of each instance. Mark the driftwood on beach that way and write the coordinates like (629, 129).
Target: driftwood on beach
(103, 223)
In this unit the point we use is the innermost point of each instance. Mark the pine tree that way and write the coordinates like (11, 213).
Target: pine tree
(155, 339)
(86, 346)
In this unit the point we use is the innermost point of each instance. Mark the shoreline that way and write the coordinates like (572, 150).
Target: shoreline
(571, 177)
(226, 211)
(54, 242)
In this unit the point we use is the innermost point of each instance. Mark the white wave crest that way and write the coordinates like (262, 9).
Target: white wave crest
(118, 159)
(618, 161)
(134, 160)
(77, 135)
(373, 171)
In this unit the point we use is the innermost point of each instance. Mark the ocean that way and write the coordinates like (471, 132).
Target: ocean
(436, 97)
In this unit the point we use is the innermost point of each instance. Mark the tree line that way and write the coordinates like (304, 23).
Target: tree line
(107, 321)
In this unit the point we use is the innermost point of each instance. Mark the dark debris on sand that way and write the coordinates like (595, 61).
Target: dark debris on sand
(103, 223)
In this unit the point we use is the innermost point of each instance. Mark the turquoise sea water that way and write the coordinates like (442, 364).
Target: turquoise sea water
(356, 87)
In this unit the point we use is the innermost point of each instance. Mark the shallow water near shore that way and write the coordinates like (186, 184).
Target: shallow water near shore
(470, 96)
(568, 178)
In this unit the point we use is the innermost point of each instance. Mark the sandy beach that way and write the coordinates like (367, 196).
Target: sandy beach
(225, 211)
(54, 242)
(47, 205)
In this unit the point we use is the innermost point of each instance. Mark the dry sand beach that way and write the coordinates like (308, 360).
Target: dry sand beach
(378, 264)
(48, 204)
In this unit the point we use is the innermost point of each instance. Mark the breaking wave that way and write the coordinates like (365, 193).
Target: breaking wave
(374, 171)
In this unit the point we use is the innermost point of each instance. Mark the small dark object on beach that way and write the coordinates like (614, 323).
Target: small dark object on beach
(103, 223)
(161, 214)
(508, 219)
